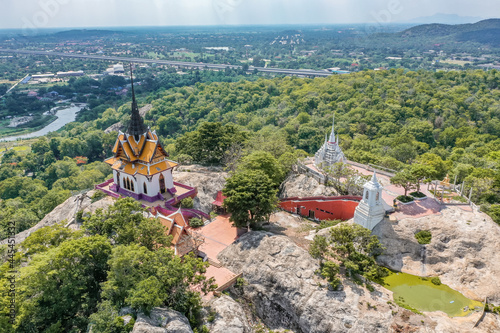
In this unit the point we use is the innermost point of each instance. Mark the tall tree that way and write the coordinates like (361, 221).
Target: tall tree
(421, 172)
(353, 247)
(144, 279)
(263, 161)
(60, 288)
(251, 197)
(404, 179)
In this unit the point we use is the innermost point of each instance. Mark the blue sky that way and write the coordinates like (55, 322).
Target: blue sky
(101, 13)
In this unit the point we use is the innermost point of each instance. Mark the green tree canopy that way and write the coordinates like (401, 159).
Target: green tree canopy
(125, 223)
(61, 287)
(251, 197)
(352, 247)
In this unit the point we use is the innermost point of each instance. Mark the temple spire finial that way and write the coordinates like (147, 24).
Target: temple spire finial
(136, 126)
(332, 134)
(374, 177)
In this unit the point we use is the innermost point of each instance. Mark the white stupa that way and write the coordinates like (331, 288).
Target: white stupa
(330, 153)
(370, 210)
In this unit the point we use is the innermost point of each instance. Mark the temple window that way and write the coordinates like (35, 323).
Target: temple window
(145, 188)
(367, 194)
(377, 196)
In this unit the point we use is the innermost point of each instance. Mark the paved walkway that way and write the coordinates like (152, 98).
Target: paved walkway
(390, 192)
(218, 235)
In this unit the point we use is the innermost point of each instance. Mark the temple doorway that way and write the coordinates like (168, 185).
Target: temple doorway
(162, 184)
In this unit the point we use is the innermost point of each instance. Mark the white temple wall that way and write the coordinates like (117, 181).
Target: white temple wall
(169, 179)
(154, 185)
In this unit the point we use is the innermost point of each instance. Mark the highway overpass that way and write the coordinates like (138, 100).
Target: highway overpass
(193, 65)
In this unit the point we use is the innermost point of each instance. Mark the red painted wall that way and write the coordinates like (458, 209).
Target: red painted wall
(324, 208)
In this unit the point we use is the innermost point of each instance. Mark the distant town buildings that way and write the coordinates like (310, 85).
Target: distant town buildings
(118, 69)
(70, 73)
(115, 69)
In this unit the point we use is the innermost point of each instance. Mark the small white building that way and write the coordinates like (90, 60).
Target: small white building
(118, 69)
(330, 153)
(370, 210)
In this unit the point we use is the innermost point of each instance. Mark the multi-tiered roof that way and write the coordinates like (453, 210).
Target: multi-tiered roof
(139, 150)
(330, 153)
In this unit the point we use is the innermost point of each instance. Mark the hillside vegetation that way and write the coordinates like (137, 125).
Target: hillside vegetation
(449, 121)
(486, 31)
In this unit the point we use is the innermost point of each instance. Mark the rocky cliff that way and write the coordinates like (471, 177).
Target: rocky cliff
(229, 317)
(207, 180)
(464, 250)
(66, 212)
(286, 293)
(162, 320)
(299, 185)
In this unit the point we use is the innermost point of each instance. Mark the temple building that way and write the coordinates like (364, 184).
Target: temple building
(184, 239)
(370, 210)
(141, 168)
(330, 153)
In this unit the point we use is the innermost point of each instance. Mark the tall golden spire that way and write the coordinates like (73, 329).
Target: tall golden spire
(136, 126)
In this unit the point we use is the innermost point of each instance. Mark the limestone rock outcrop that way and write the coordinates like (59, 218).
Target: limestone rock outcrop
(162, 320)
(66, 213)
(230, 316)
(463, 251)
(286, 294)
(299, 185)
(208, 181)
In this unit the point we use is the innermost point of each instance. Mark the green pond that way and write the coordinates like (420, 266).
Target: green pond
(423, 295)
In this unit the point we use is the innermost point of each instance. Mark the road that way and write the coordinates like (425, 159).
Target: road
(302, 72)
(15, 85)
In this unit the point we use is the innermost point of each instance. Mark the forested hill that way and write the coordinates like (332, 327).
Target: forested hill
(427, 109)
(449, 120)
(486, 31)
(446, 120)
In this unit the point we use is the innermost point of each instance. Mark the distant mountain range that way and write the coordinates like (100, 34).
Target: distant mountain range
(445, 19)
(484, 32)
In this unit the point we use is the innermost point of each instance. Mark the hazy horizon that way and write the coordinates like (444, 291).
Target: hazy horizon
(36, 14)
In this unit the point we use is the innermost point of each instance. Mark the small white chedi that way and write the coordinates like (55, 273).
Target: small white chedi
(370, 210)
(330, 153)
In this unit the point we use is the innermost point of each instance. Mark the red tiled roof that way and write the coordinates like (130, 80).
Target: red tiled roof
(219, 200)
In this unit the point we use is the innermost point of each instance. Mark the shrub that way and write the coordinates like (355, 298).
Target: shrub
(417, 194)
(187, 202)
(211, 316)
(79, 216)
(436, 280)
(404, 198)
(423, 237)
(327, 223)
(240, 282)
(98, 195)
(196, 222)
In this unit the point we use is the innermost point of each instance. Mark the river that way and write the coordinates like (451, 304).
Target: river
(64, 116)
